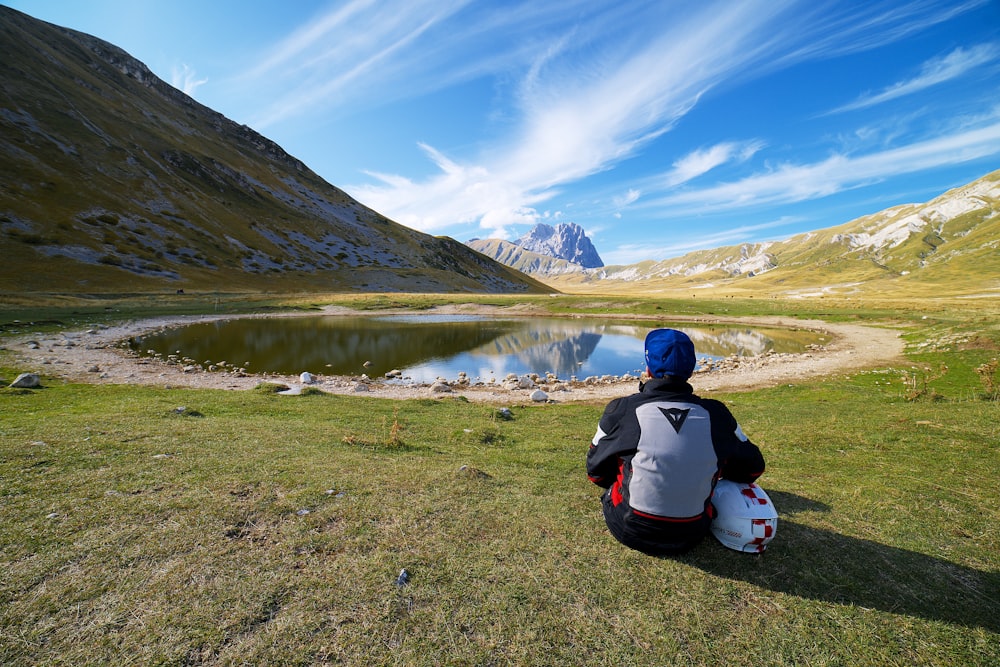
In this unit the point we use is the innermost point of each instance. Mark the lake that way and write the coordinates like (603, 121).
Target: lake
(425, 347)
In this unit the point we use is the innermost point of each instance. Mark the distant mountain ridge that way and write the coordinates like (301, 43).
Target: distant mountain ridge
(952, 242)
(516, 257)
(544, 251)
(566, 240)
(117, 180)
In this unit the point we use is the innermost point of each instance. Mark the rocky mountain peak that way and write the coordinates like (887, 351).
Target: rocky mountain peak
(564, 241)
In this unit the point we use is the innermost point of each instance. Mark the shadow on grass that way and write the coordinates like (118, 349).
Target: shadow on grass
(824, 565)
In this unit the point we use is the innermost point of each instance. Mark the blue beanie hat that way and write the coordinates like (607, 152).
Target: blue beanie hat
(669, 352)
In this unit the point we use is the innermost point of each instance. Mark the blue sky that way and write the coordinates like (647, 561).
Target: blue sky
(658, 126)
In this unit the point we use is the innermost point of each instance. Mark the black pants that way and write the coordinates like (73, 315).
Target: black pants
(652, 537)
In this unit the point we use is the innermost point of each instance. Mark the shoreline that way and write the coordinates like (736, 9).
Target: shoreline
(94, 356)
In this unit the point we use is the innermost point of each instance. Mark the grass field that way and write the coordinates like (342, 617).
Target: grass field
(169, 526)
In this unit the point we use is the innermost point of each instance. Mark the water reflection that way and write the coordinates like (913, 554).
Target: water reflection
(425, 347)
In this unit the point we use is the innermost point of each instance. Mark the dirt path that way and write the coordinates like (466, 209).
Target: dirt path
(94, 356)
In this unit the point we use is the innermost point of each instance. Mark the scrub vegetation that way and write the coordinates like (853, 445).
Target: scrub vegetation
(148, 525)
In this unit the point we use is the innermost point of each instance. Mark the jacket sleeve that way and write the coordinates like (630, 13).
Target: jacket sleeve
(746, 463)
(739, 459)
(607, 446)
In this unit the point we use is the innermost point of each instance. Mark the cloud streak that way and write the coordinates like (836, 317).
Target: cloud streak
(848, 28)
(934, 72)
(578, 120)
(346, 53)
(704, 160)
(798, 182)
(184, 79)
(370, 53)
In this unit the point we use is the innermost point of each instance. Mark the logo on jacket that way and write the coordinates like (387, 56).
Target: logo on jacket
(675, 416)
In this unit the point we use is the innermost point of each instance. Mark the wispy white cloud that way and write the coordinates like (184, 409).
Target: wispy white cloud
(580, 118)
(702, 161)
(798, 182)
(367, 53)
(845, 28)
(356, 48)
(184, 78)
(587, 117)
(286, 56)
(934, 72)
(458, 194)
(624, 200)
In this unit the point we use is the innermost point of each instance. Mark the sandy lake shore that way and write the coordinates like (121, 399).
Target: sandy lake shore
(95, 356)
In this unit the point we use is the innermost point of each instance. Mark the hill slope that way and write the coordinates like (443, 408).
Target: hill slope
(535, 264)
(118, 181)
(544, 251)
(949, 245)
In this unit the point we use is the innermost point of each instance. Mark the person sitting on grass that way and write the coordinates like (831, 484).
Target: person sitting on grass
(660, 452)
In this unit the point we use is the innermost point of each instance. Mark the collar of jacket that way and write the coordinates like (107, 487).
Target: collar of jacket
(666, 384)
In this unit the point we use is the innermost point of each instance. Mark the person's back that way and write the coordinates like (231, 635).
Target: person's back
(660, 452)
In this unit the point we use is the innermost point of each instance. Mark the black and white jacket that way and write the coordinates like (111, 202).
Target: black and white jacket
(659, 454)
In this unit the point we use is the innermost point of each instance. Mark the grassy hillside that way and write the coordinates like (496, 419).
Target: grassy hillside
(948, 246)
(166, 526)
(112, 178)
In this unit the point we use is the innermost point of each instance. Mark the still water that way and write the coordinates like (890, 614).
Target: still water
(425, 347)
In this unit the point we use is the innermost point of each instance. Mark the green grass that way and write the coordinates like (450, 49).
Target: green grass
(264, 529)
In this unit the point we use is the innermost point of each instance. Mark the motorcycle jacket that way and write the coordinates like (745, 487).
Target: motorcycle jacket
(659, 453)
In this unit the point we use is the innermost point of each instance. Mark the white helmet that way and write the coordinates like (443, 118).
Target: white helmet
(745, 517)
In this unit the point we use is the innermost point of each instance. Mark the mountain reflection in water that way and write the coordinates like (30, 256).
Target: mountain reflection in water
(425, 347)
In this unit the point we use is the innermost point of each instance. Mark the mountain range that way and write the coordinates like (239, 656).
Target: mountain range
(564, 241)
(949, 245)
(113, 180)
(544, 251)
